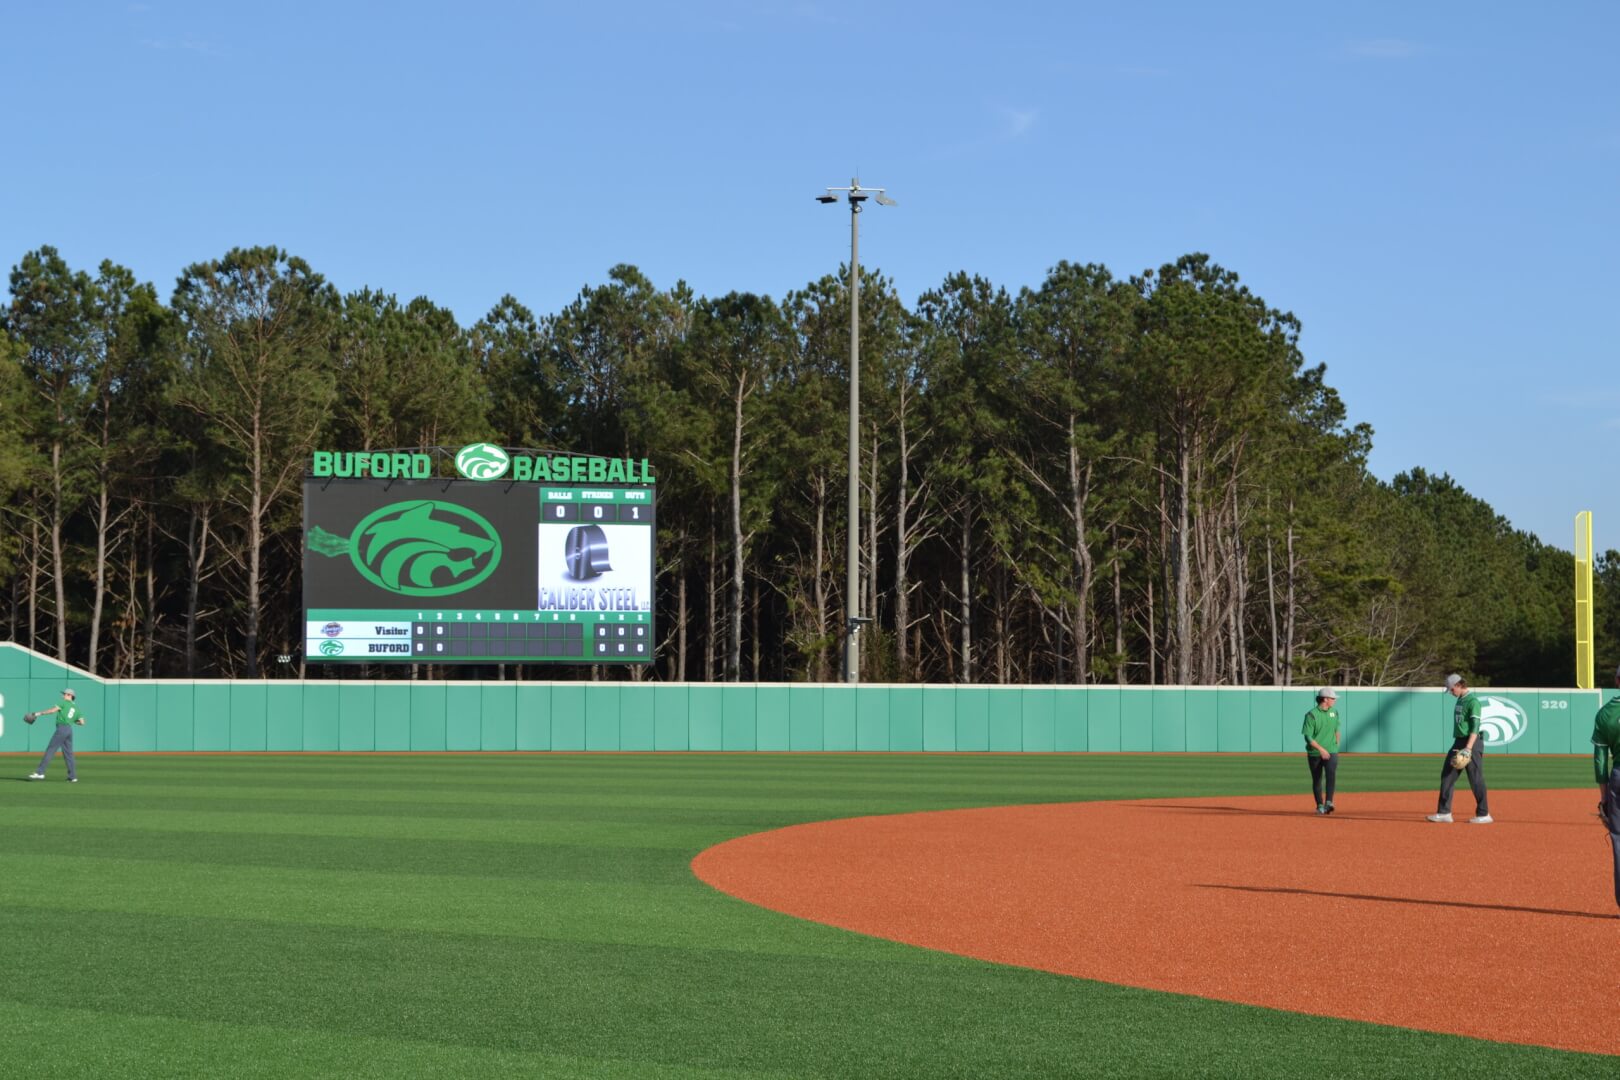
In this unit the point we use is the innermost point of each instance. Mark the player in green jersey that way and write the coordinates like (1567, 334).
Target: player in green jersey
(1321, 731)
(1606, 767)
(67, 715)
(1466, 736)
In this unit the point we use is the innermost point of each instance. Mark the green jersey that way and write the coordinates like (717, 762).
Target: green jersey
(1322, 725)
(1465, 718)
(1606, 739)
(67, 713)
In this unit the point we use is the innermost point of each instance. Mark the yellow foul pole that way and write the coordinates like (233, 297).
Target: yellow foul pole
(1585, 672)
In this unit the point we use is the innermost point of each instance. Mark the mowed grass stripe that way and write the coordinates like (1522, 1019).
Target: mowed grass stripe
(425, 827)
(207, 1050)
(638, 914)
(472, 857)
(602, 954)
(823, 1016)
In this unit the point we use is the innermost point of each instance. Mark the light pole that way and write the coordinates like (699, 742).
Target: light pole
(856, 194)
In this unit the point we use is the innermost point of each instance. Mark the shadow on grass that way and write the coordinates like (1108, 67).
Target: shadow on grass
(1412, 900)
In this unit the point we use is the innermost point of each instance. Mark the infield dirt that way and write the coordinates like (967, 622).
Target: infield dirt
(1500, 932)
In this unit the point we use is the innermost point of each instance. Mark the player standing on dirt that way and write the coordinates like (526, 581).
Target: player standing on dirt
(1321, 731)
(1467, 752)
(1606, 765)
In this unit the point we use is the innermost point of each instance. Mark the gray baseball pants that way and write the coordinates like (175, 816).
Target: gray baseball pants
(63, 741)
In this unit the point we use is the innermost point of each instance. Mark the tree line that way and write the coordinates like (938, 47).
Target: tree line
(1098, 479)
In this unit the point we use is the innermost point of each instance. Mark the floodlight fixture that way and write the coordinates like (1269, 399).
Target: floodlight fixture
(852, 599)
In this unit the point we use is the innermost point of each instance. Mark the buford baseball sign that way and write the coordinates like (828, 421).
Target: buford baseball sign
(479, 461)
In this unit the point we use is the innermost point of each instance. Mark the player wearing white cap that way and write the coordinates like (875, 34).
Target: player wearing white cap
(67, 715)
(1467, 752)
(1321, 731)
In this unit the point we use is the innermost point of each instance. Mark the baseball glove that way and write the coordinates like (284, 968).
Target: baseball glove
(1461, 758)
(28, 718)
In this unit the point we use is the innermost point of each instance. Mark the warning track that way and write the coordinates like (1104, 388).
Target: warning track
(1500, 932)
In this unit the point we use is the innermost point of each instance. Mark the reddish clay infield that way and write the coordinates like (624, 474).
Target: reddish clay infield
(1500, 932)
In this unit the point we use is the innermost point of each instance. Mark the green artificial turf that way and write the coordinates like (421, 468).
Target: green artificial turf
(354, 916)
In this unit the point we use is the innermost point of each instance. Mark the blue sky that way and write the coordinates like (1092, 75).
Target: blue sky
(1429, 188)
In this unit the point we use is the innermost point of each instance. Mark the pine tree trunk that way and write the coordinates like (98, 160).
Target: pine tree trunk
(1121, 667)
(56, 550)
(150, 615)
(871, 583)
(680, 625)
(1288, 604)
(196, 556)
(33, 586)
(1271, 609)
(1084, 566)
(819, 587)
(103, 501)
(1183, 568)
(255, 546)
(966, 596)
(734, 651)
(711, 639)
(902, 556)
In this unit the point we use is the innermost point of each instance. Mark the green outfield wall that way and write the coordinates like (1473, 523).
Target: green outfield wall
(351, 714)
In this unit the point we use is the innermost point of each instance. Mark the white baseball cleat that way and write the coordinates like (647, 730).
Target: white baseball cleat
(1444, 819)
(1481, 819)
(36, 776)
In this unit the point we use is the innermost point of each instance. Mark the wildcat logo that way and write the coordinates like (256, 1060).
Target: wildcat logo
(332, 648)
(1501, 721)
(425, 548)
(482, 461)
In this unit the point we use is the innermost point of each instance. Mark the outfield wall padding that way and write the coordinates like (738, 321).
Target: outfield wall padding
(351, 714)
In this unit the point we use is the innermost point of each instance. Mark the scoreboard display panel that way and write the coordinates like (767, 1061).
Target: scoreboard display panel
(470, 571)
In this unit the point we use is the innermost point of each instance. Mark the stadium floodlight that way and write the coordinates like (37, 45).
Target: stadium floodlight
(856, 194)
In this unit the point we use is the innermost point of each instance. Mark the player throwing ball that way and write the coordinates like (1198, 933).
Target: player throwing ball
(67, 715)
(1467, 753)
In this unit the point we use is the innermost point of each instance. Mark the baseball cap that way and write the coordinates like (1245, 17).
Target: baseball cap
(1326, 691)
(1453, 680)
(69, 693)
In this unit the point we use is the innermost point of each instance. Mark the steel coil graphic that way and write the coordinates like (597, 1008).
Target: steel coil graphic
(586, 551)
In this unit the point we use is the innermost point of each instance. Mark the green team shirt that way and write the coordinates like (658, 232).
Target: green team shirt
(67, 714)
(1322, 725)
(1606, 739)
(1465, 718)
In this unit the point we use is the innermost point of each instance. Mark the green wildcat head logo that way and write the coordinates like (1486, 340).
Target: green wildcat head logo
(482, 461)
(424, 548)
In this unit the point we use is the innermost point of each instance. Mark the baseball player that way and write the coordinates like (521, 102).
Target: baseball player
(1606, 765)
(67, 715)
(1467, 752)
(1321, 731)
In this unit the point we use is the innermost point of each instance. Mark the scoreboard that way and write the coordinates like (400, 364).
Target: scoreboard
(477, 571)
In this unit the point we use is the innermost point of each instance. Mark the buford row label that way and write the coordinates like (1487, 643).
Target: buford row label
(481, 461)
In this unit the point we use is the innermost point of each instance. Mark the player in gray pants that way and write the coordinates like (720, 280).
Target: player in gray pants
(67, 715)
